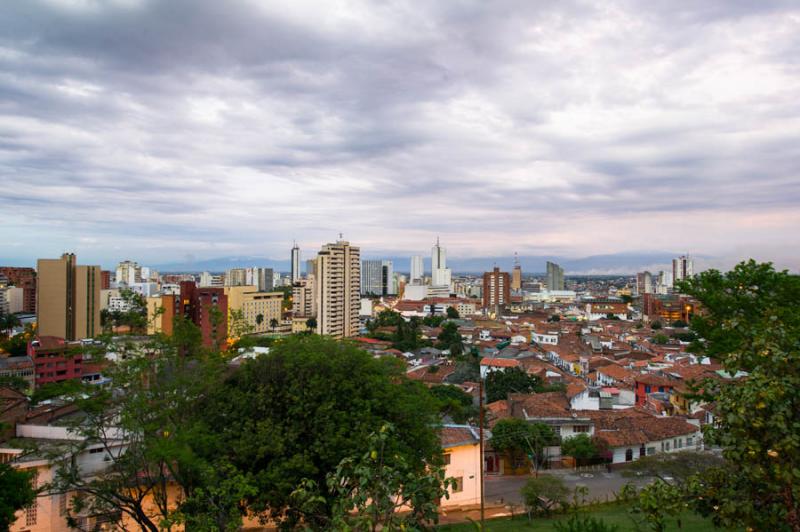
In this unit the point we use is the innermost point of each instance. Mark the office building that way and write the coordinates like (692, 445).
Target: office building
(258, 309)
(682, 268)
(555, 276)
(371, 278)
(311, 265)
(263, 279)
(236, 277)
(417, 270)
(337, 289)
(496, 288)
(295, 263)
(24, 278)
(67, 299)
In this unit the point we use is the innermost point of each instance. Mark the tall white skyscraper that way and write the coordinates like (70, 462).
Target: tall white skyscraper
(417, 269)
(295, 263)
(440, 273)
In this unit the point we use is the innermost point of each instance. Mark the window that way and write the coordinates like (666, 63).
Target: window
(557, 430)
(447, 459)
(689, 441)
(32, 510)
(629, 455)
(580, 428)
(96, 450)
(646, 388)
(459, 485)
(651, 450)
(667, 446)
(62, 504)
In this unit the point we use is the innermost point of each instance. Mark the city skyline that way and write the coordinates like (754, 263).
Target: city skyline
(587, 129)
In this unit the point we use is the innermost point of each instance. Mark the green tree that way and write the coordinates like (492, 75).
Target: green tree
(454, 402)
(579, 447)
(656, 325)
(259, 319)
(679, 324)
(511, 380)
(660, 339)
(750, 322)
(451, 339)
(273, 324)
(296, 413)
(522, 441)
(7, 323)
(554, 318)
(544, 494)
(452, 313)
(311, 324)
(16, 492)
(372, 488)
(584, 523)
(238, 324)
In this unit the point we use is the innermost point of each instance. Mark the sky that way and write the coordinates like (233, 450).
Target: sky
(164, 130)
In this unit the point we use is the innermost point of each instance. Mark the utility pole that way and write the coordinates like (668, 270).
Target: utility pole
(480, 432)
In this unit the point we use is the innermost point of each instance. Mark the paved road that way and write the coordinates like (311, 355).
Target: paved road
(601, 484)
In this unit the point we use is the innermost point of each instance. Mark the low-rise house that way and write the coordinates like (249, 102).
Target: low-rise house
(462, 459)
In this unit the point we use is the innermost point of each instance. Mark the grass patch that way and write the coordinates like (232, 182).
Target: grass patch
(612, 514)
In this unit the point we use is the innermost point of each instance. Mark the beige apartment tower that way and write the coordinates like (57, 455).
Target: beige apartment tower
(337, 289)
(68, 299)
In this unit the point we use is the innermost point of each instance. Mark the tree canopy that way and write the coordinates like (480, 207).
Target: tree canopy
(510, 380)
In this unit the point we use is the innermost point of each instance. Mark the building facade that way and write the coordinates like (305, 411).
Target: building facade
(337, 289)
(295, 263)
(68, 298)
(417, 271)
(555, 276)
(24, 278)
(496, 288)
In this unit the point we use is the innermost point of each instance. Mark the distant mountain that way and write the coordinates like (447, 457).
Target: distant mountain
(618, 263)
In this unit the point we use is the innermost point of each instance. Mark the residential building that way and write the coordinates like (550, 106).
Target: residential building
(236, 277)
(496, 289)
(462, 462)
(55, 359)
(252, 304)
(311, 265)
(24, 278)
(262, 278)
(303, 298)
(208, 309)
(105, 280)
(161, 313)
(682, 268)
(295, 263)
(417, 270)
(555, 276)
(21, 367)
(644, 283)
(209, 280)
(337, 289)
(68, 298)
(128, 272)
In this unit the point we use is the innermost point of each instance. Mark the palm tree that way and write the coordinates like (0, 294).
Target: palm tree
(8, 322)
(311, 324)
(274, 324)
(259, 320)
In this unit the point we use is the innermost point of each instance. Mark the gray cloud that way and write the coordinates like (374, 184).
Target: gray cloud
(154, 129)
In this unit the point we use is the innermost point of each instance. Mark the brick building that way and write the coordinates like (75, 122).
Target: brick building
(24, 278)
(208, 309)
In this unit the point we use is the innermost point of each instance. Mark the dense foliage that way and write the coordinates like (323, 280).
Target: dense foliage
(510, 380)
(523, 442)
(16, 492)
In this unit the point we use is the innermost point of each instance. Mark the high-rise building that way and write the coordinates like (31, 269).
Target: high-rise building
(105, 280)
(496, 288)
(295, 263)
(337, 289)
(68, 299)
(24, 278)
(440, 273)
(682, 268)
(371, 278)
(417, 270)
(311, 266)
(388, 282)
(128, 272)
(208, 309)
(516, 275)
(303, 298)
(236, 277)
(263, 279)
(664, 283)
(555, 276)
(644, 283)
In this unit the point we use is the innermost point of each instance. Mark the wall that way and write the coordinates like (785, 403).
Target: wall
(464, 462)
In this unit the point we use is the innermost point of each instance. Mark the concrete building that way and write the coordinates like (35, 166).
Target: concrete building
(377, 278)
(516, 275)
(68, 298)
(161, 313)
(128, 272)
(311, 265)
(337, 289)
(295, 263)
(644, 283)
(252, 304)
(24, 278)
(208, 309)
(682, 268)
(208, 280)
(262, 278)
(236, 277)
(555, 276)
(417, 270)
(440, 273)
(496, 289)
(303, 304)
(462, 459)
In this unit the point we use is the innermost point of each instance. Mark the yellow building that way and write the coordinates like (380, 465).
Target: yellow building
(462, 458)
(67, 298)
(252, 304)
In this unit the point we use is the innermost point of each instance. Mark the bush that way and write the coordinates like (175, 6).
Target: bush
(544, 495)
(584, 523)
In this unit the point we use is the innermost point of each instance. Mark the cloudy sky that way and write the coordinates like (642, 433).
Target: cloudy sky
(157, 130)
